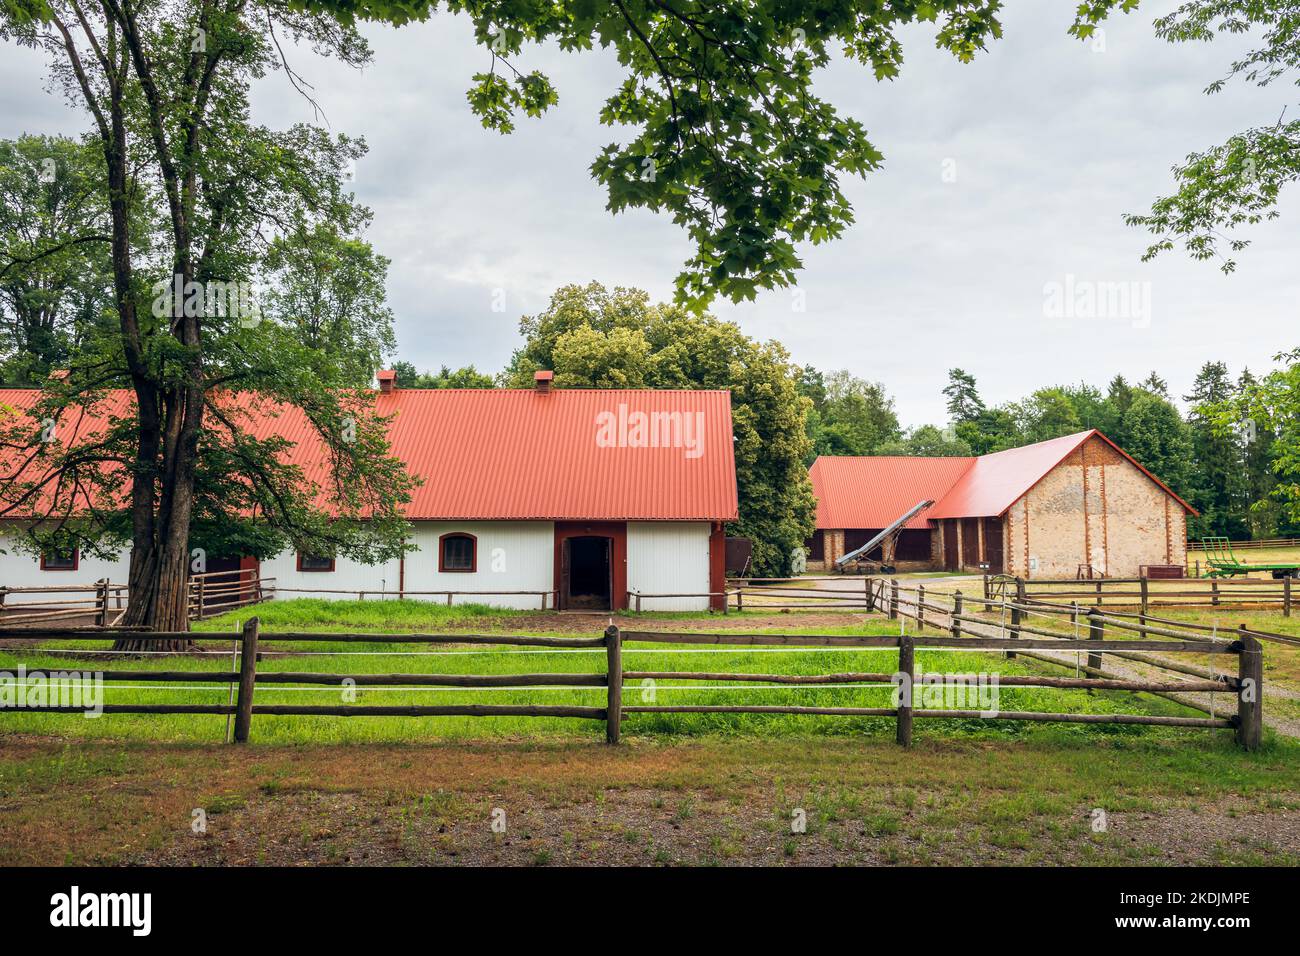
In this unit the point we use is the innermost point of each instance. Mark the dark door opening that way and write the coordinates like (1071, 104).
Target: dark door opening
(228, 581)
(993, 544)
(587, 572)
(970, 543)
(950, 557)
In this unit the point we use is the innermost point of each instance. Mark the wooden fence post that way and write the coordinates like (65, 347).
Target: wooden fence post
(920, 607)
(1096, 632)
(101, 602)
(1145, 596)
(1214, 591)
(614, 669)
(247, 680)
(956, 613)
(871, 592)
(1015, 614)
(1099, 592)
(1250, 693)
(893, 599)
(906, 667)
(1286, 596)
(988, 587)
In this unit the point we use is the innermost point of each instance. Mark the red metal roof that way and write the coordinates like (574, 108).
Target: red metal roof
(995, 482)
(497, 454)
(872, 492)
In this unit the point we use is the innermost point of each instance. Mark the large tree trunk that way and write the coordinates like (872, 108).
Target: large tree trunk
(159, 598)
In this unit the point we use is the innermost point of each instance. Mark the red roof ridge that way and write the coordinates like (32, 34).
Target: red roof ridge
(985, 485)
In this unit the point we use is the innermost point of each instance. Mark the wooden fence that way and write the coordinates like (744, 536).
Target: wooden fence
(546, 597)
(962, 632)
(1258, 544)
(1145, 593)
(102, 602)
(216, 592)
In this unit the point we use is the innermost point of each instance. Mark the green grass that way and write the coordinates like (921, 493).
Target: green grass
(319, 614)
(330, 657)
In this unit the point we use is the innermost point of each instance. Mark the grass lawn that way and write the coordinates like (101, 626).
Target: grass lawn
(1252, 556)
(343, 658)
(682, 789)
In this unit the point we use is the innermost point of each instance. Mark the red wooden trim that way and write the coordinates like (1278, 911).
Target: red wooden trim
(614, 530)
(314, 570)
(718, 567)
(76, 561)
(473, 553)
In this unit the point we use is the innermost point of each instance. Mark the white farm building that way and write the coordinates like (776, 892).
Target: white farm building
(562, 498)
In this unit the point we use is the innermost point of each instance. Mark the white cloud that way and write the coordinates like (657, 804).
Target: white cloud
(1051, 142)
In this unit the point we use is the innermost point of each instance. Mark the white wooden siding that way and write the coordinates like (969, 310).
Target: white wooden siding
(511, 556)
(668, 557)
(348, 575)
(20, 569)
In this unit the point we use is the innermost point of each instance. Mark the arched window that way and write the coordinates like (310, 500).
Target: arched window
(458, 551)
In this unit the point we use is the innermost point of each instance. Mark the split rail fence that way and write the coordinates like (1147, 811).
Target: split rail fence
(962, 632)
(102, 602)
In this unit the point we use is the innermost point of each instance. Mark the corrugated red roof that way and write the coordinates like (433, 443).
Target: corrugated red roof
(873, 492)
(995, 482)
(496, 454)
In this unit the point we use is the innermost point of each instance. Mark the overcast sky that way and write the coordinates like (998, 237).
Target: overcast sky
(1001, 176)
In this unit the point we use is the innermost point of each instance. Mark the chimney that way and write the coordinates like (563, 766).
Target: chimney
(387, 380)
(542, 381)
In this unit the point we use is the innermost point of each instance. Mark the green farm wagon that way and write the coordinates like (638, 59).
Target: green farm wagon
(1224, 563)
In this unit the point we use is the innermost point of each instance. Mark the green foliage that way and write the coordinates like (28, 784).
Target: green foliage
(927, 441)
(195, 191)
(1154, 433)
(594, 338)
(964, 403)
(467, 377)
(718, 124)
(55, 275)
(849, 416)
(329, 288)
(1270, 408)
(1237, 183)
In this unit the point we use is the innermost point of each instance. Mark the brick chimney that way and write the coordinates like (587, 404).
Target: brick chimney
(542, 381)
(387, 380)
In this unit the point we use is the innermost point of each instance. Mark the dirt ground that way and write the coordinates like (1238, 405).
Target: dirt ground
(734, 802)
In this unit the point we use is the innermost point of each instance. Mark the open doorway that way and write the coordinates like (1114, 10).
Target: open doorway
(588, 582)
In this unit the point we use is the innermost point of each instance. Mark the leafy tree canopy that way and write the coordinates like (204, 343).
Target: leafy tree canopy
(592, 337)
(721, 127)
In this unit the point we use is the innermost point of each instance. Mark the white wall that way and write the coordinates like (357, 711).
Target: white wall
(348, 575)
(668, 557)
(19, 569)
(512, 556)
(662, 557)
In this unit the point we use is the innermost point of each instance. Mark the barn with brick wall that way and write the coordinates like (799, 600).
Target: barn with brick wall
(1076, 505)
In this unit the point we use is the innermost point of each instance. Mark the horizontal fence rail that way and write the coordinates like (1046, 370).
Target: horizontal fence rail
(1144, 593)
(1258, 543)
(957, 622)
